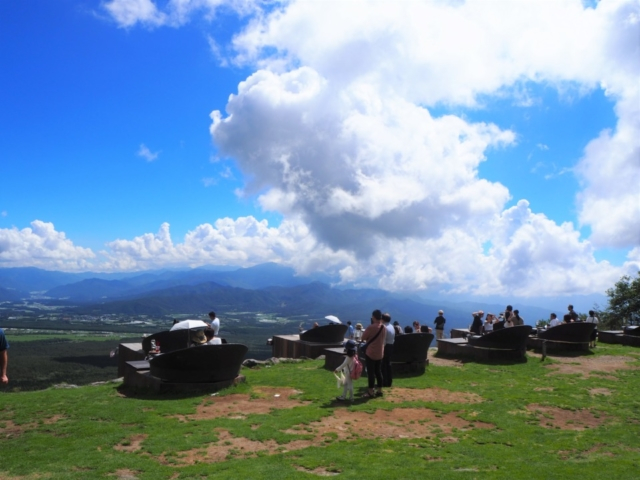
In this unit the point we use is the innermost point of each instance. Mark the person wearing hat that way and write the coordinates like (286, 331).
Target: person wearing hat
(476, 326)
(439, 323)
(357, 334)
(198, 338)
(345, 368)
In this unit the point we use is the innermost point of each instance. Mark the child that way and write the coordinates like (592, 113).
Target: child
(346, 367)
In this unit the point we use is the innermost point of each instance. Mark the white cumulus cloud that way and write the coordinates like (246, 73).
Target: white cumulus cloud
(42, 246)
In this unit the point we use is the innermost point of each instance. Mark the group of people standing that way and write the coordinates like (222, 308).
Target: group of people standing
(379, 338)
(506, 319)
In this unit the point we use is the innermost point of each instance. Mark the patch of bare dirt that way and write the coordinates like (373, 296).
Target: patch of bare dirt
(8, 429)
(125, 474)
(443, 362)
(398, 423)
(229, 446)
(133, 444)
(588, 366)
(600, 391)
(239, 405)
(399, 395)
(543, 389)
(320, 471)
(554, 417)
(584, 454)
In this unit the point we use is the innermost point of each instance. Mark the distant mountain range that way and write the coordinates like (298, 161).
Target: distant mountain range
(268, 288)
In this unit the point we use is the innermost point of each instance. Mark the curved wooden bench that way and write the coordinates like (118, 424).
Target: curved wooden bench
(411, 347)
(512, 338)
(579, 332)
(168, 340)
(201, 364)
(333, 333)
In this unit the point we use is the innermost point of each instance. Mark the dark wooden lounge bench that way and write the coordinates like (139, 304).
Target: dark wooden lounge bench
(503, 344)
(168, 340)
(411, 347)
(567, 336)
(200, 364)
(630, 335)
(513, 338)
(333, 333)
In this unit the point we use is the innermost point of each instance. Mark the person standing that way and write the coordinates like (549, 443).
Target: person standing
(476, 326)
(375, 335)
(350, 331)
(439, 322)
(516, 319)
(387, 374)
(4, 358)
(346, 368)
(508, 312)
(572, 314)
(215, 322)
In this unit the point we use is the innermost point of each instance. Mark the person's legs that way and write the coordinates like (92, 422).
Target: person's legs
(378, 374)
(387, 376)
(371, 374)
(439, 334)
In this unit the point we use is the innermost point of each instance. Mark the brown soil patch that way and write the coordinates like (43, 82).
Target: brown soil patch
(554, 417)
(588, 366)
(443, 362)
(228, 447)
(320, 471)
(600, 391)
(125, 474)
(398, 423)
(9, 429)
(399, 395)
(543, 389)
(343, 425)
(133, 444)
(239, 405)
(581, 455)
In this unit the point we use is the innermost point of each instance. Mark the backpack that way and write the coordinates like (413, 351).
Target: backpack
(356, 371)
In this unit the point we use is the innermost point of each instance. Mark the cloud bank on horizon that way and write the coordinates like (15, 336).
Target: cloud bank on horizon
(350, 128)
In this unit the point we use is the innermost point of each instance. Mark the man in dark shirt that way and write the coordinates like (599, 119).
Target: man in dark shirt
(572, 313)
(439, 322)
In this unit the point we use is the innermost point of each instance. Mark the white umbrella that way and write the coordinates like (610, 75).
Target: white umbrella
(189, 325)
(333, 319)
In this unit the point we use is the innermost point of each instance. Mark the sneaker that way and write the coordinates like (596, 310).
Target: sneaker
(340, 399)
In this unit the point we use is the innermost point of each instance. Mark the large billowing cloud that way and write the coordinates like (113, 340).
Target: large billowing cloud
(42, 246)
(336, 130)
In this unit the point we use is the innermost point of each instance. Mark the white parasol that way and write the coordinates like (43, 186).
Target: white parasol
(333, 319)
(189, 325)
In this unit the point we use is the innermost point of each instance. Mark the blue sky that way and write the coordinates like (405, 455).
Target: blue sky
(413, 146)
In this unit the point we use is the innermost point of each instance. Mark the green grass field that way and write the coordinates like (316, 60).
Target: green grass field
(567, 417)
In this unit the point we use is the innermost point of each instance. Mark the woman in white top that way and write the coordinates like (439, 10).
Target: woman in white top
(488, 324)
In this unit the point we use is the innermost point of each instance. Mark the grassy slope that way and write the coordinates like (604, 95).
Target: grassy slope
(97, 418)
